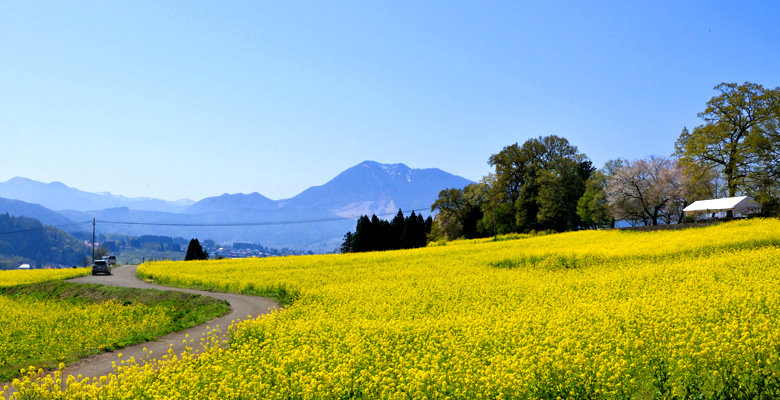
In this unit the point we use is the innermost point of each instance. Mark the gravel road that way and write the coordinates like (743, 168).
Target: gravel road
(124, 276)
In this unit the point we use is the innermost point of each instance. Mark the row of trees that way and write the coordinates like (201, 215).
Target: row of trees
(739, 142)
(547, 184)
(376, 234)
(736, 151)
(116, 243)
(536, 186)
(28, 241)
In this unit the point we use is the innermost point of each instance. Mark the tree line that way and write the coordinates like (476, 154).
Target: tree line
(547, 184)
(374, 234)
(36, 244)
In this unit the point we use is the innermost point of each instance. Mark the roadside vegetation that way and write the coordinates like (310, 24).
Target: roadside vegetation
(46, 323)
(581, 315)
(21, 277)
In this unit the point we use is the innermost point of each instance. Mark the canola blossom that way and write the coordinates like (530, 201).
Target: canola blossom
(21, 277)
(43, 333)
(41, 326)
(593, 314)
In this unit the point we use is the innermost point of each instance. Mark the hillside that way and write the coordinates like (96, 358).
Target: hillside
(27, 240)
(20, 208)
(589, 314)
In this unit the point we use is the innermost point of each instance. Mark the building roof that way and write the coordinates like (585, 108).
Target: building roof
(737, 204)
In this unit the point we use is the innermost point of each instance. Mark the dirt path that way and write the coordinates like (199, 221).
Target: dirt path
(124, 276)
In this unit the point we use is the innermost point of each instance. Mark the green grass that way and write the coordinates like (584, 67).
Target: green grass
(183, 310)
(284, 294)
(188, 310)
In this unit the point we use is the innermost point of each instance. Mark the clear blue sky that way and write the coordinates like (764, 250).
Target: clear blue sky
(195, 99)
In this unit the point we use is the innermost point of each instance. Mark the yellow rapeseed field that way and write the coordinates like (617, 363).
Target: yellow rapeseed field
(41, 329)
(21, 277)
(43, 333)
(595, 314)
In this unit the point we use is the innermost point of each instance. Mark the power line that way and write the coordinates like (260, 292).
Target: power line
(225, 224)
(232, 224)
(64, 226)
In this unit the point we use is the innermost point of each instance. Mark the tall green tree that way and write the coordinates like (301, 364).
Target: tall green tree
(766, 185)
(512, 165)
(560, 188)
(736, 123)
(539, 184)
(460, 210)
(592, 206)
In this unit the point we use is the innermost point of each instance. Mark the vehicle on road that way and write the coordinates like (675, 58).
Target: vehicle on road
(111, 260)
(101, 267)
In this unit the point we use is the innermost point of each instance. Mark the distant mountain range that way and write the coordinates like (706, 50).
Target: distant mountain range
(316, 219)
(18, 208)
(57, 196)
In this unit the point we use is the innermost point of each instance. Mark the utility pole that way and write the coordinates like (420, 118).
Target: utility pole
(93, 240)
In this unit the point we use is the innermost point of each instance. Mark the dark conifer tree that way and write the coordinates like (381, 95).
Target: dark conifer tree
(419, 232)
(408, 238)
(359, 239)
(348, 243)
(398, 229)
(195, 251)
(376, 234)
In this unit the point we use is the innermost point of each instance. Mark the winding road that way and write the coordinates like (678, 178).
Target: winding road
(100, 365)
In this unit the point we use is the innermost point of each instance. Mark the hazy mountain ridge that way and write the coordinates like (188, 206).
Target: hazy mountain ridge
(18, 208)
(58, 196)
(229, 202)
(316, 219)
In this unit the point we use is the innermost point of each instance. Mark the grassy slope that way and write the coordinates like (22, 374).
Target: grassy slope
(182, 311)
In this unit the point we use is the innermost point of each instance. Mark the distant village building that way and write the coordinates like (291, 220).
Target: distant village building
(739, 206)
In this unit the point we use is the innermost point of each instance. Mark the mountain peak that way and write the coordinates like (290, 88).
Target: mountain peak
(20, 180)
(373, 187)
(231, 202)
(59, 185)
(386, 167)
(392, 170)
